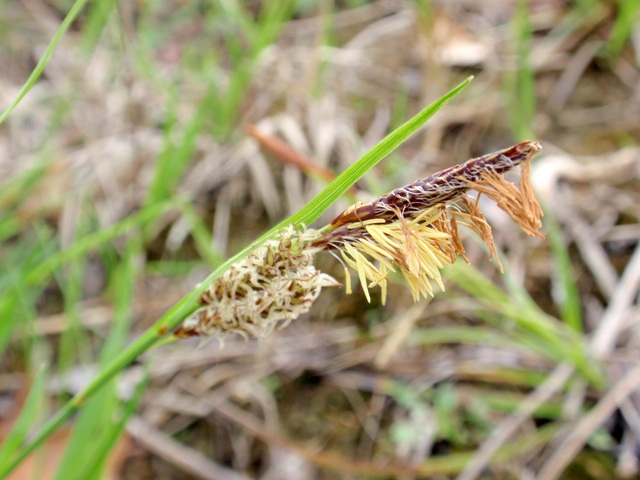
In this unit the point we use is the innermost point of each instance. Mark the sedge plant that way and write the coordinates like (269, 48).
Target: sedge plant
(168, 323)
(413, 229)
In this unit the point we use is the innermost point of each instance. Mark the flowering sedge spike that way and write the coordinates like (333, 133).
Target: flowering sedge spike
(413, 229)
(266, 290)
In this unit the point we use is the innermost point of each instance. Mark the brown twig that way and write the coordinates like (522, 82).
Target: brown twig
(289, 156)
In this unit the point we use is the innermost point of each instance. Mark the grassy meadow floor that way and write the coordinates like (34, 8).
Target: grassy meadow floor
(148, 151)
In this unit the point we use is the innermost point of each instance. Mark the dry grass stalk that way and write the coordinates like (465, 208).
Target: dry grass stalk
(413, 229)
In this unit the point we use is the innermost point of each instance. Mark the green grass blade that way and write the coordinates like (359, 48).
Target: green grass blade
(17, 300)
(37, 71)
(245, 38)
(271, 20)
(94, 431)
(461, 335)
(43, 270)
(15, 191)
(570, 301)
(532, 327)
(520, 85)
(174, 159)
(526, 443)
(8, 306)
(201, 234)
(96, 22)
(109, 439)
(627, 17)
(14, 441)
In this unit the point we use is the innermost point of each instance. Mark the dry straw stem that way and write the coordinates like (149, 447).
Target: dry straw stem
(413, 229)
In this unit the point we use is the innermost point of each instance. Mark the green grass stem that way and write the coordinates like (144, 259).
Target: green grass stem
(76, 8)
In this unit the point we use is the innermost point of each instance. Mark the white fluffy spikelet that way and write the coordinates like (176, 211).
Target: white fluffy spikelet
(272, 286)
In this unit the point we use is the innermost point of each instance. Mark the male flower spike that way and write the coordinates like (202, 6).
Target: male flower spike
(413, 228)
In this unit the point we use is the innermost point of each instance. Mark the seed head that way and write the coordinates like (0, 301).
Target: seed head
(263, 292)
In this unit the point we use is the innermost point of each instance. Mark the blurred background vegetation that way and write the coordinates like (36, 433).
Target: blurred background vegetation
(127, 174)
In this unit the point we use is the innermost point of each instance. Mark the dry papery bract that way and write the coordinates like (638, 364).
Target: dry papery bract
(413, 229)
